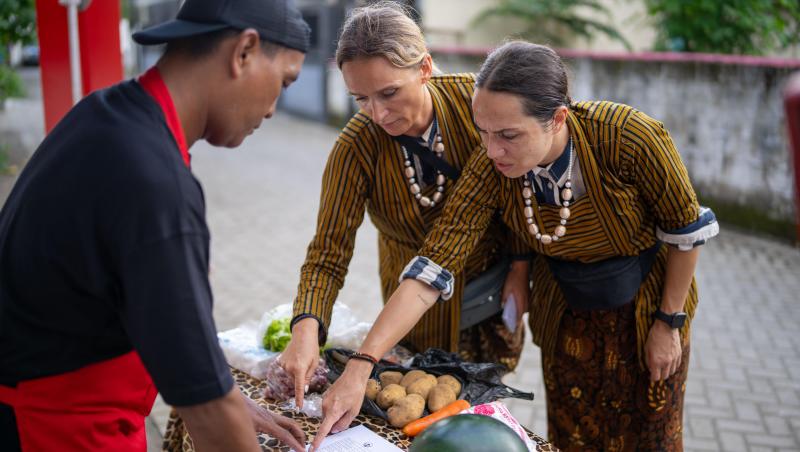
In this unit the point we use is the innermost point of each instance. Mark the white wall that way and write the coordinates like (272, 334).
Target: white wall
(449, 22)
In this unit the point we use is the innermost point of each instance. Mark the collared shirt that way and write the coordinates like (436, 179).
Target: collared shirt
(427, 140)
(548, 181)
(152, 82)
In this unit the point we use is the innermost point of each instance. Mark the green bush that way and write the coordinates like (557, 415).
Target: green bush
(17, 22)
(11, 84)
(725, 26)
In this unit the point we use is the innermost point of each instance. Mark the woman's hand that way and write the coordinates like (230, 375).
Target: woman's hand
(663, 347)
(342, 401)
(518, 284)
(662, 351)
(301, 357)
(284, 429)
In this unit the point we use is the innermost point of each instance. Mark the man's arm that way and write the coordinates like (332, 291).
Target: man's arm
(167, 315)
(222, 424)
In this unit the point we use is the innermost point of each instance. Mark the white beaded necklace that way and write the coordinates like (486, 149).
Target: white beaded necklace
(411, 173)
(566, 197)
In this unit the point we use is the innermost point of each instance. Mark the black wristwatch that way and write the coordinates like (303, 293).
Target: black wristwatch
(673, 320)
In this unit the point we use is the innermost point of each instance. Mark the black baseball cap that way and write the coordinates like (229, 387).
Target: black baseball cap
(278, 21)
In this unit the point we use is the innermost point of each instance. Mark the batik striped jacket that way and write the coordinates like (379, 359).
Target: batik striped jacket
(364, 173)
(637, 192)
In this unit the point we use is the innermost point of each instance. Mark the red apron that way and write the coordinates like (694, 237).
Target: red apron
(100, 407)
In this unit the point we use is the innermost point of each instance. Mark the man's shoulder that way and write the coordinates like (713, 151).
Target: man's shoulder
(113, 122)
(122, 113)
(116, 138)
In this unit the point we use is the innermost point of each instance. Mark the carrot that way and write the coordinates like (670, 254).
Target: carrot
(416, 427)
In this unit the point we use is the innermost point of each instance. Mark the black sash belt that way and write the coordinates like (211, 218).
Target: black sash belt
(603, 285)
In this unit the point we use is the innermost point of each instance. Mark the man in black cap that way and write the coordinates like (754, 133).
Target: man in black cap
(104, 248)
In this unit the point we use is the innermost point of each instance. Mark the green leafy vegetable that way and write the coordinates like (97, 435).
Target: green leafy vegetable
(277, 335)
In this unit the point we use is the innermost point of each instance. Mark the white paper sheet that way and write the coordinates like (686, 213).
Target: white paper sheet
(356, 439)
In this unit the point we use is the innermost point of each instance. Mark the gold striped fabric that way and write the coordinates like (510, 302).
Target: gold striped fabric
(365, 173)
(635, 181)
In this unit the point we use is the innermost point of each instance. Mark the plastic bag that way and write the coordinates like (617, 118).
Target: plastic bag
(345, 331)
(484, 380)
(350, 337)
(399, 355)
(500, 412)
(243, 350)
(312, 406)
(480, 382)
(280, 385)
(243, 346)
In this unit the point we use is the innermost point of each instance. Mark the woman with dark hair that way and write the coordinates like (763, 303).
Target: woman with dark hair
(599, 191)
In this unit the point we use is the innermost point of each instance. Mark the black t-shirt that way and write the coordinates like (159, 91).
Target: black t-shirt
(104, 248)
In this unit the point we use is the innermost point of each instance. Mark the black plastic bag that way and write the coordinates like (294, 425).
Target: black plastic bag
(480, 382)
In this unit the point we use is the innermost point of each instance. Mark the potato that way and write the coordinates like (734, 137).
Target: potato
(451, 381)
(373, 388)
(411, 377)
(440, 396)
(405, 410)
(422, 386)
(390, 377)
(389, 395)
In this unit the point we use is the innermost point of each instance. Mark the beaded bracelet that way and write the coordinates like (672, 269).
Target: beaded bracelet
(364, 357)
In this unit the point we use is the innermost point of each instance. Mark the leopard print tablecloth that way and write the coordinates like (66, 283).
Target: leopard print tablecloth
(177, 438)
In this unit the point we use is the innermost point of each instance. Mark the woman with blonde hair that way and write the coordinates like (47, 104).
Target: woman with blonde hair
(398, 159)
(599, 191)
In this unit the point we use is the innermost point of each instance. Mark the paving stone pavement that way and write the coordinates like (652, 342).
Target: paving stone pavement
(743, 392)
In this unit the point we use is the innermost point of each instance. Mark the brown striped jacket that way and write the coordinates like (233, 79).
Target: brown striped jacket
(364, 173)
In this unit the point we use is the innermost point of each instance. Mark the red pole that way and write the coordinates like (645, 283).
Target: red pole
(101, 58)
(101, 54)
(791, 102)
(51, 23)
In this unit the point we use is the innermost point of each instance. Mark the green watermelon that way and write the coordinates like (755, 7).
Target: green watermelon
(468, 433)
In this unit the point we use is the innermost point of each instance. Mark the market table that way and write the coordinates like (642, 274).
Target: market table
(177, 438)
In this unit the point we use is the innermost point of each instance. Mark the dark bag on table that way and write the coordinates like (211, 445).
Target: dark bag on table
(603, 285)
(480, 382)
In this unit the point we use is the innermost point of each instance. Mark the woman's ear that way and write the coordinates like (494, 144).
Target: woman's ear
(426, 68)
(560, 118)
